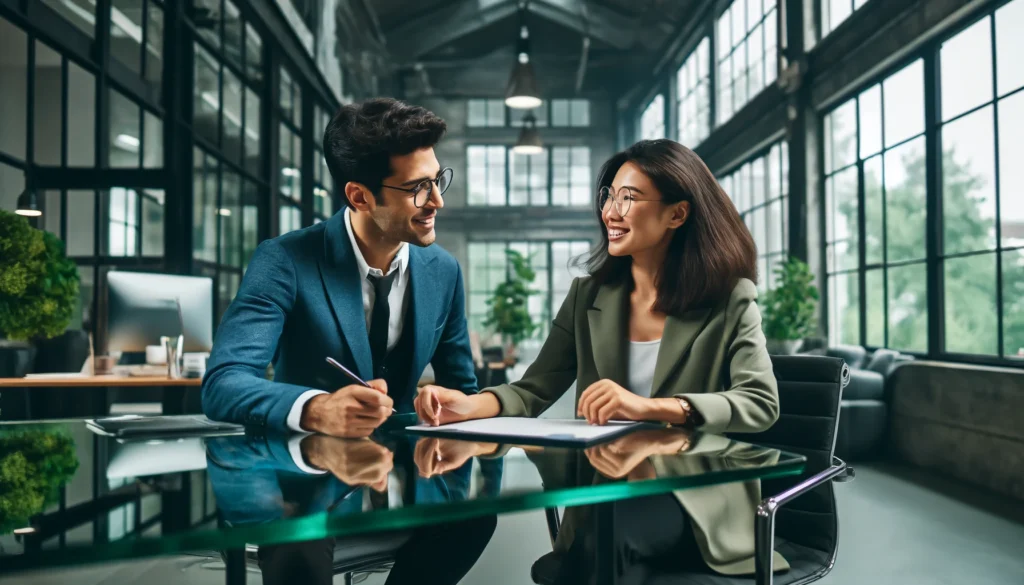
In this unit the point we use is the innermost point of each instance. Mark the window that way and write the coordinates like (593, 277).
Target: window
(81, 13)
(206, 96)
(528, 178)
(205, 182)
(760, 190)
(488, 266)
(747, 44)
(323, 182)
(652, 120)
(879, 166)
(486, 113)
(540, 113)
(571, 183)
(486, 175)
(833, 12)
(14, 76)
(693, 86)
(570, 113)
(982, 205)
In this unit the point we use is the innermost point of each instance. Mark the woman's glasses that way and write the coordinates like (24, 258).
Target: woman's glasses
(622, 199)
(421, 191)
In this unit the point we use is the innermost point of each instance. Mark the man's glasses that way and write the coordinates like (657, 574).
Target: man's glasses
(421, 191)
(622, 199)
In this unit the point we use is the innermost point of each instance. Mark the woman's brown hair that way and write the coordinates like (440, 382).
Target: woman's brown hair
(707, 255)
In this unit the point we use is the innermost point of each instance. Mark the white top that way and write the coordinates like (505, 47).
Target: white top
(397, 301)
(643, 355)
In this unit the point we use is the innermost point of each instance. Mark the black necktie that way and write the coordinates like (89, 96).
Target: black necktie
(379, 319)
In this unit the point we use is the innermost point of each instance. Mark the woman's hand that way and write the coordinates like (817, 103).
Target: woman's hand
(435, 456)
(440, 406)
(605, 400)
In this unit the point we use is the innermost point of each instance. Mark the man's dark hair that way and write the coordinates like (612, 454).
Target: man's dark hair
(361, 139)
(707, 255)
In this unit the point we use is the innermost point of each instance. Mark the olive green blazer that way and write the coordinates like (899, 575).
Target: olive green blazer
(715, 358)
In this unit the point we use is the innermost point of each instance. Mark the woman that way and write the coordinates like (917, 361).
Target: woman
(665, 328)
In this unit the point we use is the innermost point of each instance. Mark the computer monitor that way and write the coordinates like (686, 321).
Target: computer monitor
(143, 306)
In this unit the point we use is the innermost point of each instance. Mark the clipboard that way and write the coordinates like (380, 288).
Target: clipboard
(544, 432)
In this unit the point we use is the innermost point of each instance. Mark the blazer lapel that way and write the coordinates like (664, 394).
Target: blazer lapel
(340, 275)
(678, 336)
(424, 296)
(609, 330)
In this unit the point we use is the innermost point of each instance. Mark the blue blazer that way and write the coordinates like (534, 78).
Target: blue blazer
(301, 301)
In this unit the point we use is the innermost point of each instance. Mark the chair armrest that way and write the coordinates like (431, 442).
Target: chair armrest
(764, 518)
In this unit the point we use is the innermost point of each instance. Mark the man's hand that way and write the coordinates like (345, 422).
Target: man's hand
(435, 456)
(354, 462)
(439, 406)
(352, 411)
(605, 400)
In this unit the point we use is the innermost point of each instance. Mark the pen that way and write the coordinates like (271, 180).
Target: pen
(351, 375)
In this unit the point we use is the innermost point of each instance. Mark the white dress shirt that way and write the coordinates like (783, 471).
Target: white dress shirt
(397, 301)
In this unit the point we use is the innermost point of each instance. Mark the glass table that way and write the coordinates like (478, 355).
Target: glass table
(69, 496)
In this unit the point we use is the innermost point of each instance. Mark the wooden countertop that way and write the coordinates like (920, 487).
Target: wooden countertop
(113, 381)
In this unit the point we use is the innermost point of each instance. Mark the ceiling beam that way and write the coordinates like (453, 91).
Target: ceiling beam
(449, 22)
(596, 21)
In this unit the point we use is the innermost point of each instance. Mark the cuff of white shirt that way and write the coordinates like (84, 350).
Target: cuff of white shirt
(295, 450)
(295, 414)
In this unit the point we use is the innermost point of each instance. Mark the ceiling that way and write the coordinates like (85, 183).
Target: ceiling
(467, 47)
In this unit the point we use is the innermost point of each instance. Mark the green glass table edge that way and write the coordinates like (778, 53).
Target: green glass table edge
(324, 524)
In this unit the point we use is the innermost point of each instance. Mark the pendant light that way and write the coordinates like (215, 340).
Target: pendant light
(28, 204)
(522, 91)
(529, 139)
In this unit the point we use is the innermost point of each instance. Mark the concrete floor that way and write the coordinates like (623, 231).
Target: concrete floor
(897, 526)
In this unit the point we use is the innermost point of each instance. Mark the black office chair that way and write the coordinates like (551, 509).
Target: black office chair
(810, 391)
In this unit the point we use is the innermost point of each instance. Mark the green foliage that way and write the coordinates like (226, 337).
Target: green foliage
(788, 311)
(34, 464)
(38, 284)
(509, 312)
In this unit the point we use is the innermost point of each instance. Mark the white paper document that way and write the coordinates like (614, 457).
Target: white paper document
(512, 428)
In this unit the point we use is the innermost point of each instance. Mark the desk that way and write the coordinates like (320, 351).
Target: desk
(261, 496)
(97, 402)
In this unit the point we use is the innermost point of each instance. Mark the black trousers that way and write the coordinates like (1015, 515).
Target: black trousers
(650, 536)
(460, 544)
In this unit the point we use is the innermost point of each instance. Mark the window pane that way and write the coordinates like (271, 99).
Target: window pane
(155, 46)
(206, 16)
(968, 183)
(124, 131)
(81, 13)
(232, 34)
(836, 12)
(904, 103)
(1011, 171)
(559, 112)
(580, 113)
(250, 221)
(1010, 46)
(774, 227)
(204, 208)
(51, 212)
(252, 132)
(844, 313)
(874, 226)
(908, 308)
(290, 184)
(153, 150)
(81, 205)
(970, 297)
(232, 116)
(496, 175)
(230, 220)
(126, 33)
(905, 201)
(206, 102)
(845, 210)
(81, 117)
(1013, 303)
(874, 285)
(49, 85)
(12, 183)
(152, 222)
(477, 113)
(14, 98)
(967, 69)
(870, 121)
(841, 137)
(253, 53)
(652, 121)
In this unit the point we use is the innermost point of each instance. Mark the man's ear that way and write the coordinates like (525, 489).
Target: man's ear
(680, 213)
(359, 197)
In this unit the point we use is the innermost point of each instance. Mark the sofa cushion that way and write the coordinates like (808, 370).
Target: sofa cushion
(881, 361)
(853, 355)
(865, 385)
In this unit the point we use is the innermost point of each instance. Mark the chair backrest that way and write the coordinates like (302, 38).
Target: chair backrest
(810, 392)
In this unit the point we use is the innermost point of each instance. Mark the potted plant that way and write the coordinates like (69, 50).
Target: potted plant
(509, 313)
(34, 464)
(38, 291)
(788, 311)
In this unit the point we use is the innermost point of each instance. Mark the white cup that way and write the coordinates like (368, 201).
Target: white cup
(156, 355)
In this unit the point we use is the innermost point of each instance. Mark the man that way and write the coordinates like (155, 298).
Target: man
(365, 288)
